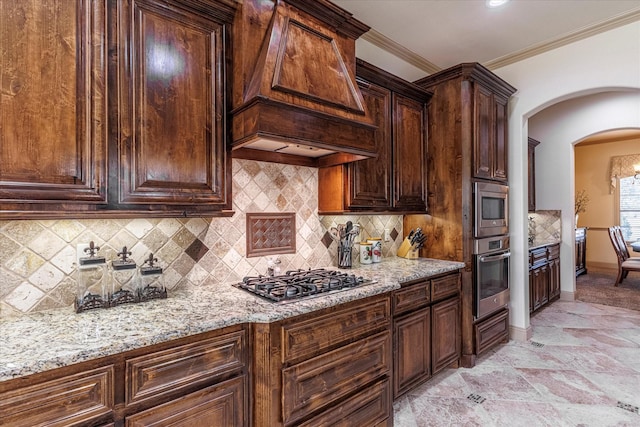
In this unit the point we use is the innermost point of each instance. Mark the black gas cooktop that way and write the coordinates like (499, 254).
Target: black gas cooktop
(300, 284)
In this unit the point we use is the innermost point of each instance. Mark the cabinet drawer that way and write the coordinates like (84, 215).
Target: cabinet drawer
(219, 405)
(444, 287)
(370, 407)
(72, 400)
(411, 297)
(553, 252)
(328, 378)
(167, 372)
(304, 339)
(537, 257)
(492, 331)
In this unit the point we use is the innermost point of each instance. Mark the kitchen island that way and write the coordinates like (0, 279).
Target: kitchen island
(218, 355)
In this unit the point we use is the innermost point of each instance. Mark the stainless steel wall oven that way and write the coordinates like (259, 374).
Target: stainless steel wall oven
(491, 275)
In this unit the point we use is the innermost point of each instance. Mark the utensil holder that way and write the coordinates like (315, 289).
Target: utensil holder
(345, 257)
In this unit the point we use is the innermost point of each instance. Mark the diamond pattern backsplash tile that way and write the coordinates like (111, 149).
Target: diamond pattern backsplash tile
(546, 225)
(37, 257)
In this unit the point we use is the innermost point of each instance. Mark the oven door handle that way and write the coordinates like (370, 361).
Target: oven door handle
(494, 257)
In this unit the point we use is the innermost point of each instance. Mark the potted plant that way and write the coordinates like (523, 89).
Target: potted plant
(581, 202)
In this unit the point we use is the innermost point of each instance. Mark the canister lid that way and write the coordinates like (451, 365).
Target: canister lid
(124, 263)
(92, 258)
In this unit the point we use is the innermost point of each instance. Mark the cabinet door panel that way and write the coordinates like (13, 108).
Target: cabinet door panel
(500, 159)
(219, 405)
(483, 147)
(445, 335)
(412, 350)
(326, 379)
(172, 135)
(370, 183)
(409, 124)
(79, 399)
(53, 113)
(554, 278)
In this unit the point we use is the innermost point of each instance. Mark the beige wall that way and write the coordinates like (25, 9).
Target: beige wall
(592, 175)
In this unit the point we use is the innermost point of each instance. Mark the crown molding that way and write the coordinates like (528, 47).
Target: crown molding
(580, 34)
(396, 49)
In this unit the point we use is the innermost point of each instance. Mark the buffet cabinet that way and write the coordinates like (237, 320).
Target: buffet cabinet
(394, 180)
(581, 251)
(331, 367)
(198, 380)
(100, 117)
(544, 276)
(426, 330)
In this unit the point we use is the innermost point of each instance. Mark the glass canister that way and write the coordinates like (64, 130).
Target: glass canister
(151, 280)
(365, 253)
(376, 249)
(93, 281)
(124, 278)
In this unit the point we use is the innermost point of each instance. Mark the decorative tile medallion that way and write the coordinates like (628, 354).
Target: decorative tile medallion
(271, 233)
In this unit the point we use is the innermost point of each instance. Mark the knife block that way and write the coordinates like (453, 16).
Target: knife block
(406, 251)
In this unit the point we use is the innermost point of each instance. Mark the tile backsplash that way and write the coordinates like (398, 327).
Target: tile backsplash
(545, 225)
(37, 257)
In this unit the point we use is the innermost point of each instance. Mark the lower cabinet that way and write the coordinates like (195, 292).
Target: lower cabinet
(491, 331)
(193, 381)
(329, 367)
(544, 276)
(426, 330)
(581, 251)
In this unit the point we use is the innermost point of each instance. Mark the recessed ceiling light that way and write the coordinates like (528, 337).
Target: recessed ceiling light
(496, 3)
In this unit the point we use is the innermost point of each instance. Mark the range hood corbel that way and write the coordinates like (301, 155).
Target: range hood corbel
(295, 97)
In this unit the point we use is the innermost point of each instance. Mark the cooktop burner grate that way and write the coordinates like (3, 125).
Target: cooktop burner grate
(299, 284)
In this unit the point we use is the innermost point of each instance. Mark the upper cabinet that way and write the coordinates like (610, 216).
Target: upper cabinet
(484, 122)
(395, 180)
(53, 120)
(171, 136)
(114, 117)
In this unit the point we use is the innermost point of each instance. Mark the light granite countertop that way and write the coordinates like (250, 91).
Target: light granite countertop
(41, 341)
(543, 242)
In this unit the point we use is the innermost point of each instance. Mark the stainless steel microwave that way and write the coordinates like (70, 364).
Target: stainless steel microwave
(491, 209)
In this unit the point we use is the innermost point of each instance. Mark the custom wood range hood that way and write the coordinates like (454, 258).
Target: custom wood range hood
(295, 98)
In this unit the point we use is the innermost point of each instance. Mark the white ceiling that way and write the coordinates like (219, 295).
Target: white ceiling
(437, 34)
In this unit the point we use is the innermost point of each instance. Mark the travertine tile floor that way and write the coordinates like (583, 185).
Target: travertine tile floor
(581, 368)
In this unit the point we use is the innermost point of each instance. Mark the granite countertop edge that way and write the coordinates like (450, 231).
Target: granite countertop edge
(43, 341)
(541, 243)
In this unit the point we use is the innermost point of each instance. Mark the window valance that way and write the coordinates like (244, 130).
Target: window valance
(622, 167)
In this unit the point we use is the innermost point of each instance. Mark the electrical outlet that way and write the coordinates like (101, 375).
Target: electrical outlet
(386, 236)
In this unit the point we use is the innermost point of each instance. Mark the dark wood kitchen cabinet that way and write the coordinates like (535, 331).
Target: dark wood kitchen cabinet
(130, 117)
(490, 151)
(467, 143)
(544, 276)
(171, 133)
(198, 380)
(53, 125)
(531, 157)
(426, 330)
(395, 180)
(331, 367)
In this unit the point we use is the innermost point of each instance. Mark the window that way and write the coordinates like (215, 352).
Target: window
(629, 190)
